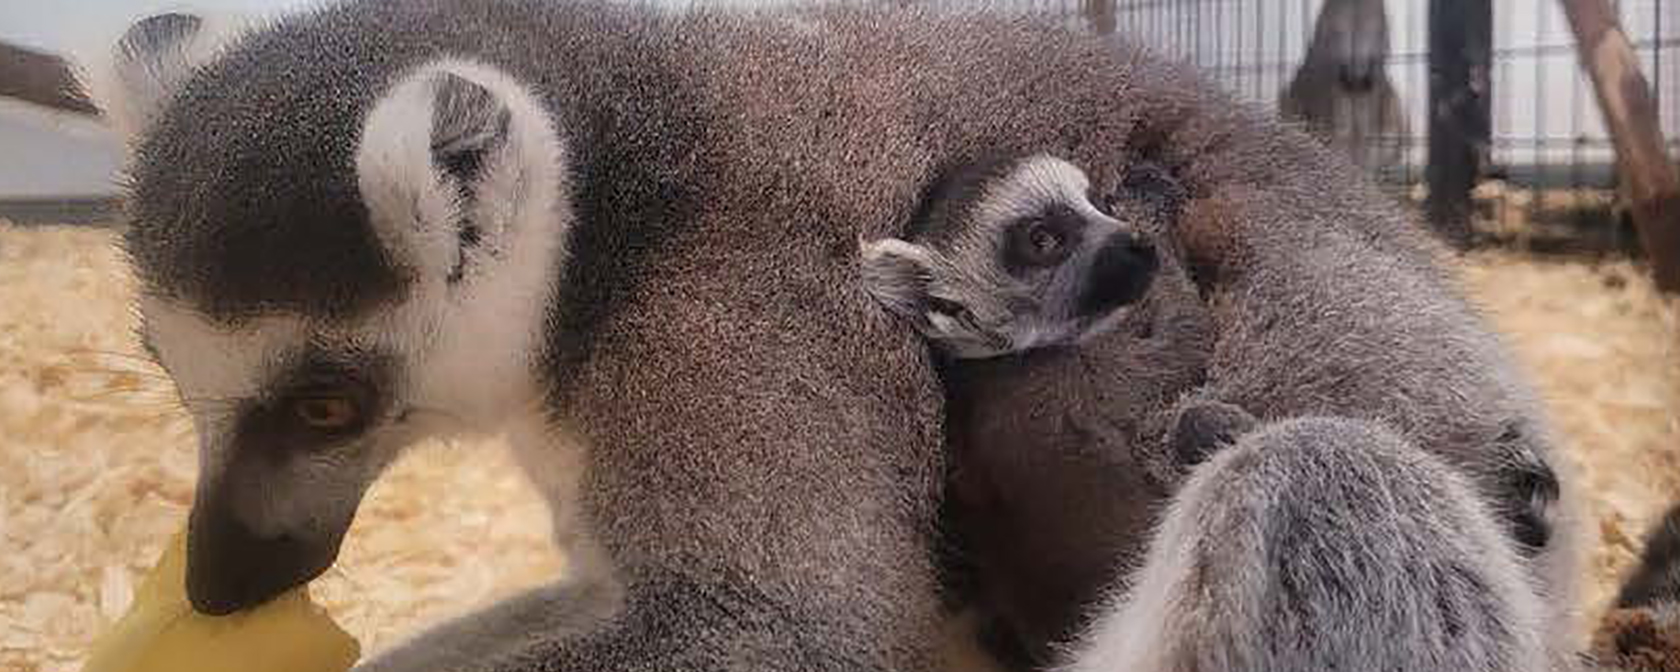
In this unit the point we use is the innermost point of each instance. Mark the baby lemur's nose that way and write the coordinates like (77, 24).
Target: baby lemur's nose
(1119, 274)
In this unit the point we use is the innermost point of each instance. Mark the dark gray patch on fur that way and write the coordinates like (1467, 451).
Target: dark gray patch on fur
(1202, 429)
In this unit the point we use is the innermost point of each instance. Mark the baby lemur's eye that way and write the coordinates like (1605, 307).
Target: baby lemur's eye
(946, 306)
(1038, 242)
(1045, 241)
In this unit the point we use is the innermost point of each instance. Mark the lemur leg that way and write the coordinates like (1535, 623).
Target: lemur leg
(1322, 544)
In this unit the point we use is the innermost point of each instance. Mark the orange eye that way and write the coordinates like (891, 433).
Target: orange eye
(326, 413)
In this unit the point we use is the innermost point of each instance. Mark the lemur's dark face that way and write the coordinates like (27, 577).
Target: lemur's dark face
(1012, 256)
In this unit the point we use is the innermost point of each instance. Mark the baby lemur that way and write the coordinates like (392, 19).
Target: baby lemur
(1051, 477)
(1014, 256)
(1010, 254)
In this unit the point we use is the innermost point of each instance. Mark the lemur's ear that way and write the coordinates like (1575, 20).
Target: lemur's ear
(150, 63)
(898, 275)
(454, 161)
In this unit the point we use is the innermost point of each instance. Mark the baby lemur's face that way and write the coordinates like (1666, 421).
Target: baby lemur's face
(1009, 255)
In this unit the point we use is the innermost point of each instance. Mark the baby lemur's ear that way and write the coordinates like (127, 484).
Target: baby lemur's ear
(898, 274)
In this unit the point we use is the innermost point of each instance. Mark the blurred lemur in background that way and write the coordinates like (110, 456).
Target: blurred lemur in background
(1342, 90)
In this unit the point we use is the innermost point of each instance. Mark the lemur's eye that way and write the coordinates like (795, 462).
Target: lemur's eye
(1045, 242)
(326, 411)
(1038, 242)
(946, 306)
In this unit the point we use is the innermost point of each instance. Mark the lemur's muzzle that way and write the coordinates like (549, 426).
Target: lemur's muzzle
(231, 567)
(1120, 273)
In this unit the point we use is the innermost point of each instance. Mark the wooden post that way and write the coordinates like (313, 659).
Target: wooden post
(1100, 14)
(1650, 178)
(40, 79)
(1460, 50)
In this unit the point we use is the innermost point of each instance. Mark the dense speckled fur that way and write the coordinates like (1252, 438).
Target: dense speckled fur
(760, 443)
(1323, 544)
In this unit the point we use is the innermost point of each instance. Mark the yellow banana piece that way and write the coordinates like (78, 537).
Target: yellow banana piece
(162, 633)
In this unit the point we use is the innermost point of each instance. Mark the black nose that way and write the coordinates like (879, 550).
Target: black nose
(1119, 275)
(230, 567)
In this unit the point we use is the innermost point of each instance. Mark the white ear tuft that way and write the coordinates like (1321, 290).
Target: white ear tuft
(457, 163)
(897, 273)
(149, 64)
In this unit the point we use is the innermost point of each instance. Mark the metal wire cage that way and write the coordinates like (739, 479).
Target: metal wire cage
(1548, 174)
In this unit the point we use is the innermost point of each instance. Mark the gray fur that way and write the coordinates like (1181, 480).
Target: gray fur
(1317, 317)
(1342, 90)
(1323, 544)
(761, 443)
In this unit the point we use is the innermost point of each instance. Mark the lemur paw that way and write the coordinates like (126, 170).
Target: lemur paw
(1196, 430)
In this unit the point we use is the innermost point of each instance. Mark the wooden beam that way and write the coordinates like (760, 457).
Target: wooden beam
(1460, 93)
(41, 79)
(1650, 177)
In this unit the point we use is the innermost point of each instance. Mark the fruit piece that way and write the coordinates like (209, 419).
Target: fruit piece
(162, 633)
